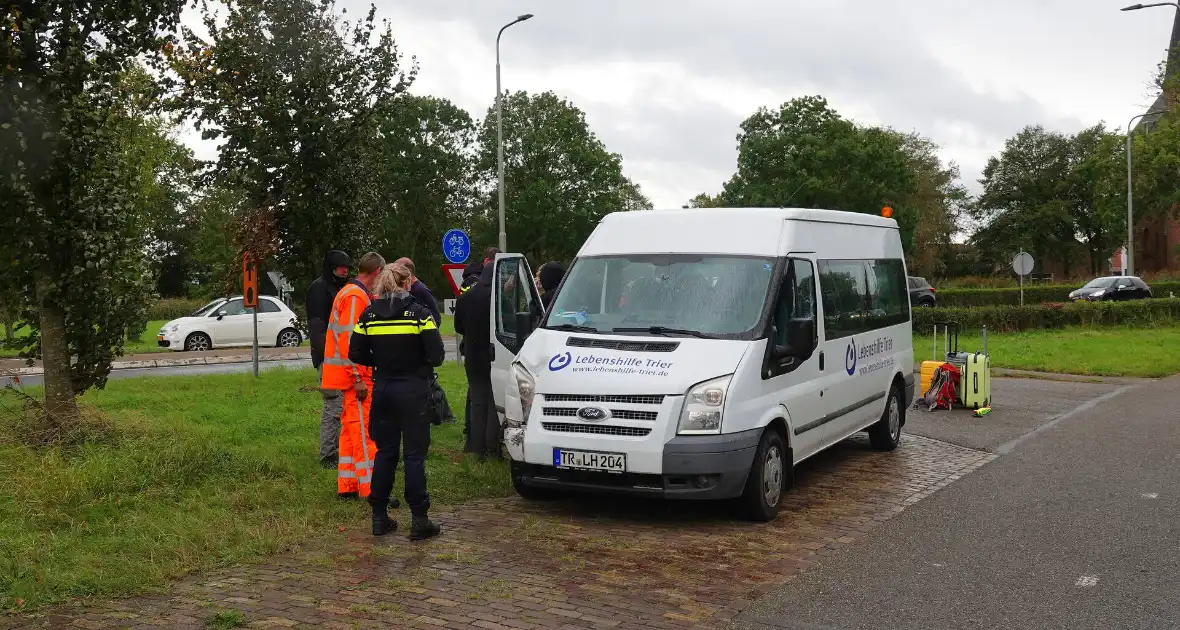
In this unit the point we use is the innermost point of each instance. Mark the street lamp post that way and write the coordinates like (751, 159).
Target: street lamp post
(500, 131)
(1130, 261)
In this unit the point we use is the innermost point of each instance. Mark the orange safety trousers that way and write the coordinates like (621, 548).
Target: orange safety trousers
(354, 473)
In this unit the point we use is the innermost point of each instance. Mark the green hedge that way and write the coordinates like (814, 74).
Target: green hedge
(1004, 318)
(1033, 294)
(172, 308)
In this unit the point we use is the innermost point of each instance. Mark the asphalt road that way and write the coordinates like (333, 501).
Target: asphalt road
(199, 370)
(1074, 526)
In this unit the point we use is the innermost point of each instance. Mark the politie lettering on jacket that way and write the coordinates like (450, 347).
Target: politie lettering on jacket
(615, 365)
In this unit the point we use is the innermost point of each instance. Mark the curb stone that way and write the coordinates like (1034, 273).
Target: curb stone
(160, 363)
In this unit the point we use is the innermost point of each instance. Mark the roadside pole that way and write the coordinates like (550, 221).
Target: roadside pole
(1022, 264)
(250, 298)
(456, 248)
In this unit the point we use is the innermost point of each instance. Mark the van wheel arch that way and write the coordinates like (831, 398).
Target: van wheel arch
(899, 383)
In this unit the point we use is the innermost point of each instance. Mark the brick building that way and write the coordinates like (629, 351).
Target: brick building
(1157, 240)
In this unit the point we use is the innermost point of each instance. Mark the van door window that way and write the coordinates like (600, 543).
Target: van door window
(796, 301)
(516, 296)
(888, 296)
(845, 291)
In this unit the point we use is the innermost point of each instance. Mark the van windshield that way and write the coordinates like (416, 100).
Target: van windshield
(706, 295)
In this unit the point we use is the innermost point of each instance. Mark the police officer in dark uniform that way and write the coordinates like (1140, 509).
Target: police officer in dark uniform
(399, 339)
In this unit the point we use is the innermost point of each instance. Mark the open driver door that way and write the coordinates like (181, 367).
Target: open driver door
(515, 313)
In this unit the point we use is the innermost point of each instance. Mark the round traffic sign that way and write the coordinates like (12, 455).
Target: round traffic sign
(1022, 264)
(456, 246)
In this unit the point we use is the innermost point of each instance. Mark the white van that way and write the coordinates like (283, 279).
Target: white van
(690, 353)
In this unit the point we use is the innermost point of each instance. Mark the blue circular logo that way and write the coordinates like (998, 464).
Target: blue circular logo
(850, 357)
(456, 246)
(560, 361)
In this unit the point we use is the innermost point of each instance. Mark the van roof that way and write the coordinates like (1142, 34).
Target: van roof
(710, 230)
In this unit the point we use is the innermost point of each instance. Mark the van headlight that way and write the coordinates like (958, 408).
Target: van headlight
(702, 407)
(526, 386)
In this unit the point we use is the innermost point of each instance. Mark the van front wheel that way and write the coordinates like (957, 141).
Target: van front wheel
(885, 434)
(770, 476)
(527, 492)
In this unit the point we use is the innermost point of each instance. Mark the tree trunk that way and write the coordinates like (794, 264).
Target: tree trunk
(61, 408)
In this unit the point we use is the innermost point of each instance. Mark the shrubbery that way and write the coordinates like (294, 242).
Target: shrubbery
(172, 308)
(1007, 318)
(1033, 294)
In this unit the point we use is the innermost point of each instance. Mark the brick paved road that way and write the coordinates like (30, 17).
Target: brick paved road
(508, 564)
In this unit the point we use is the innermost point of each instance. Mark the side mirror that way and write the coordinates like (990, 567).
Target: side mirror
(800, 340)
(525, 324)
(220, 314)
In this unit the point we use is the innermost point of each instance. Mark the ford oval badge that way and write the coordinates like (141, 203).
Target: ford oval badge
(593, 414)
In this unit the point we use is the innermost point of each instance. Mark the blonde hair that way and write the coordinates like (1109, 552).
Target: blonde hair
(394, 277)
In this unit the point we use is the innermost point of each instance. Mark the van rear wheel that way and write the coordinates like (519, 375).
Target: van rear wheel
(885, 434)
(771, 474)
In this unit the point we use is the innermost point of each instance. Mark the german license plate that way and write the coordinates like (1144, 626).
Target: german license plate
(586, 460)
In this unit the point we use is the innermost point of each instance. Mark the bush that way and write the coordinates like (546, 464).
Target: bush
(1033, 294)
(172, 308)
(1005, 318)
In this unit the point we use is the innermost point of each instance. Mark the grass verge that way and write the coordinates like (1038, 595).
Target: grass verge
(199, 472)
(1138, 352)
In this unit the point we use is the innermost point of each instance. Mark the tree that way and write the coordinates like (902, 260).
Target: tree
(1053, 195)
(805, 155)
(560, 179)
(929, 212)
(1096, 190)
(704, 200)
(70, 187)
(424, 151)
(290, 89)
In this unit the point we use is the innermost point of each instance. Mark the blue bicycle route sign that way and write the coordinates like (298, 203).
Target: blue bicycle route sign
(456, 246)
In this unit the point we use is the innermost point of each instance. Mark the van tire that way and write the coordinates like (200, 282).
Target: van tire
(885, 434)
(765, 475)
(527, 492)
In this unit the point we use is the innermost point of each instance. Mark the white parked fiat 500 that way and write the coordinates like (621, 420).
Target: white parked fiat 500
(225, 322)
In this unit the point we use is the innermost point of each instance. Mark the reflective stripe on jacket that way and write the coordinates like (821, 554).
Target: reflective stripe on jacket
(339, 371)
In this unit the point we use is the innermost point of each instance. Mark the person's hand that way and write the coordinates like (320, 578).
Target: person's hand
(362, 390)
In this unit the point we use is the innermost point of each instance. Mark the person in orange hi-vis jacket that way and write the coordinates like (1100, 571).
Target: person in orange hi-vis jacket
(355, 468)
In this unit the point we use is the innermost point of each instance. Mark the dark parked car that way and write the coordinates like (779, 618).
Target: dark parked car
(1112, 288)
(921, 293)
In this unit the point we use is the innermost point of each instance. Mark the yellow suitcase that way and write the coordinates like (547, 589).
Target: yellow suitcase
(927, 377)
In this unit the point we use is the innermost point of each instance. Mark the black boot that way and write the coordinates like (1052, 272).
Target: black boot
(421, 528)
(382, 524)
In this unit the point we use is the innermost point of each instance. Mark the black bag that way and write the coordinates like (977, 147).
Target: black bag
(440, 409)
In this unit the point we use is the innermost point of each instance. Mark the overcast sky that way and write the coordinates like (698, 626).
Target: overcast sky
(666, 83)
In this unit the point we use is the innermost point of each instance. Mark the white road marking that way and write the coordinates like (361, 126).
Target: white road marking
(1087, 580)
(1150, 495)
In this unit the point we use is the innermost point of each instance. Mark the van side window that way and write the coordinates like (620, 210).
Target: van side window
(845, 292)
(796, 301)
(888, 296)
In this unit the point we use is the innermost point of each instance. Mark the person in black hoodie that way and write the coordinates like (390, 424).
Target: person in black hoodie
(421, 292)
(319, 299)
(548, 277)
(471, 321)
(470, 276)
(398, 338)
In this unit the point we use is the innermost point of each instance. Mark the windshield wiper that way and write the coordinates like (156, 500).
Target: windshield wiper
(575, 328)
(664, 330)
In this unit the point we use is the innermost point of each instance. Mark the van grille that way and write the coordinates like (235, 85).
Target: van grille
(650, 399)
(624, 346)
(595, 429)
(616, 414)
